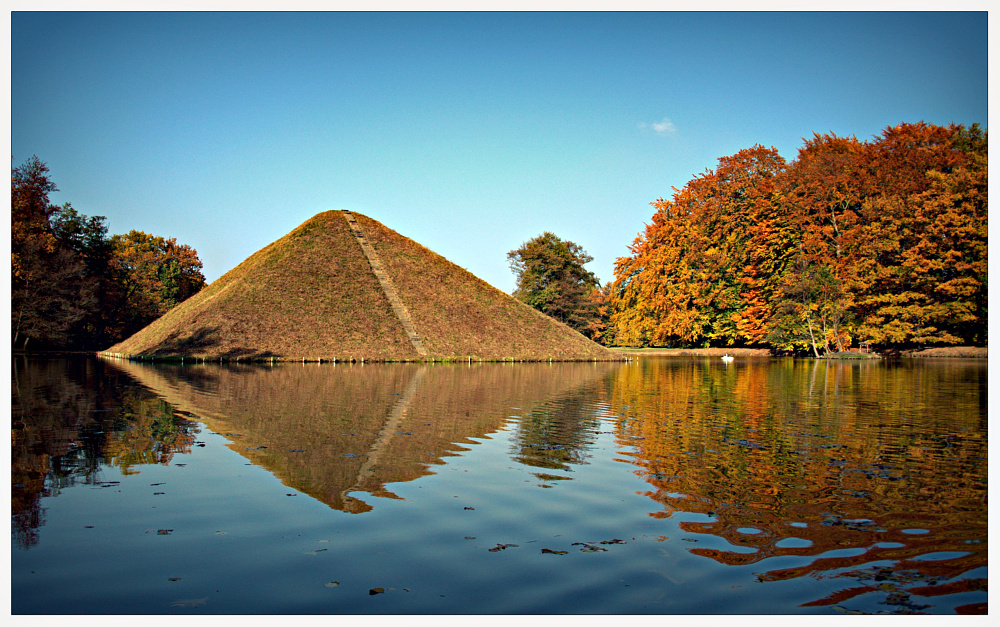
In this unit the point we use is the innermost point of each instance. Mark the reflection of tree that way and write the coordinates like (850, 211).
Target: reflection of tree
(69, 418)
(556, 435)
(852, 454)
(146, 431)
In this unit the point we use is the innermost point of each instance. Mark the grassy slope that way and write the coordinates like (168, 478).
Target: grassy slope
(310, 294)
(459, 315)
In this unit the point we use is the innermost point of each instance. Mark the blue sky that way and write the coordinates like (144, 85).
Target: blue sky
(469, 133)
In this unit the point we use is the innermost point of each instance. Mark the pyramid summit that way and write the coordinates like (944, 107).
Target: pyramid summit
(344, 287)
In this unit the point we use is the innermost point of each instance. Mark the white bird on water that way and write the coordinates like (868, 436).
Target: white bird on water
(727, 357)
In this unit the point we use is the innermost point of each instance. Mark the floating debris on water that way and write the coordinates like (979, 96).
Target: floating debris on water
(844, 610)
(163, 532)
(884, 573)
(501, 547)
(332, 584)
(903, 599)
(376, 591)
(190, 602)
(746, 443)
(554, 552)
(589, 548)
(855, 524)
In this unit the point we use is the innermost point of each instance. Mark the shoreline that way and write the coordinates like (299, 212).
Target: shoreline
(692, 352)
(950, 352)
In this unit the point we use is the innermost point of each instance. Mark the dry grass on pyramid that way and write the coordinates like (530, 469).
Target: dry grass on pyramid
(343, 287)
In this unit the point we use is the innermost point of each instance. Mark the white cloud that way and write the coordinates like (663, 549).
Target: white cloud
(664, 126)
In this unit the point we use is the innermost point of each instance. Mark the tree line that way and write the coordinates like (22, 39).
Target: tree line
(880, 241)
(75, 288)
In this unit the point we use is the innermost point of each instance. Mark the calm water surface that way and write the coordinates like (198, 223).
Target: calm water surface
(672, 486)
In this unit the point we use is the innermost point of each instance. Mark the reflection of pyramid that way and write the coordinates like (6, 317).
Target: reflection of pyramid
(344, 287)
(333, 431)
(381, 444)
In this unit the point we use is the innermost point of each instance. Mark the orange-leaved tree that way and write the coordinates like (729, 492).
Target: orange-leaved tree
(862, 208)
(51, 292)
(153, 274)
(928, 271)
(704, 270)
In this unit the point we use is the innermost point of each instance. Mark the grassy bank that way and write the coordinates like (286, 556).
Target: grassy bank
(977, 352)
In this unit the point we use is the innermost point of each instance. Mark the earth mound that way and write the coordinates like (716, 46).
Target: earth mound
(344, 287)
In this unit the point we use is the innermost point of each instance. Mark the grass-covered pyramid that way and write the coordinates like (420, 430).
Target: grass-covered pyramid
(313, 295)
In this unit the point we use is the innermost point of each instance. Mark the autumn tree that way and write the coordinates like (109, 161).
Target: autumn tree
(50, 289)
(74, 287)
(928, 277)
(551, 278)
(153, 274)
(30, 209)
(860, 207)
(706, 268)
(883, 240)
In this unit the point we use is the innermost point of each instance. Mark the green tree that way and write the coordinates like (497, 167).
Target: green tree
(551, 278)
(88, 238)
(810, 309)
(51, 296)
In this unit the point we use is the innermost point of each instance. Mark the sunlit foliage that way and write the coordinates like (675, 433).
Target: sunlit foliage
(881, 241)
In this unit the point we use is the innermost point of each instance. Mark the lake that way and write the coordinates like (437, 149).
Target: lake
(657, 486)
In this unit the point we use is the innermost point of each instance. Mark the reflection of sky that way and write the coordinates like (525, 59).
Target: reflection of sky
(228, 130)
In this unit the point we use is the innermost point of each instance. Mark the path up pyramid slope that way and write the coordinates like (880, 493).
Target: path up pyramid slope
(342, 286)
